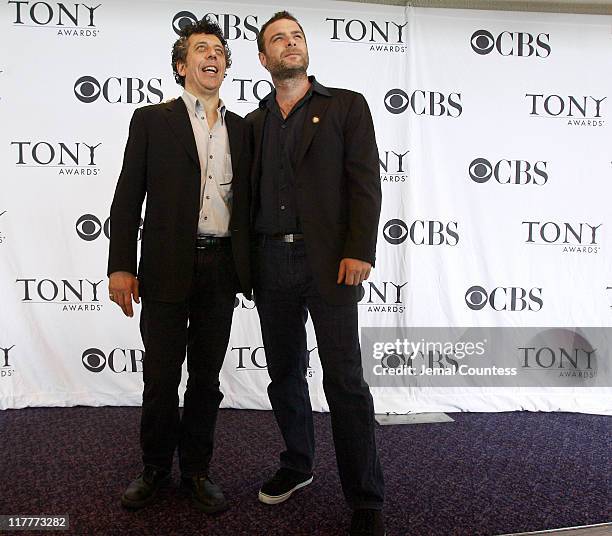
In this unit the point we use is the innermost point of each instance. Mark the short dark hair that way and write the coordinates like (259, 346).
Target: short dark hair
(179, 49)
(277, 16)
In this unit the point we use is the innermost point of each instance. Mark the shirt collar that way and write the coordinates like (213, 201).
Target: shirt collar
(315, 87)
(194, 106)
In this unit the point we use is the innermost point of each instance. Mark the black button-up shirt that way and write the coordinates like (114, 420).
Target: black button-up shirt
(277, 211)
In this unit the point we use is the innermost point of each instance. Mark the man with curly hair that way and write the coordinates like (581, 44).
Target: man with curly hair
(190, 158)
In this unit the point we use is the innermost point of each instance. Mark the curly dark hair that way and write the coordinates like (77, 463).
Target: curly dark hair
(179, 49)
(277, 16)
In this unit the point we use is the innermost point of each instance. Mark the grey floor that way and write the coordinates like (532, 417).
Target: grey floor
(591, 530)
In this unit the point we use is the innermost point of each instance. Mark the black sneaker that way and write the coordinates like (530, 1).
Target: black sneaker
(143, 488)
(280, 487)
(367, 522)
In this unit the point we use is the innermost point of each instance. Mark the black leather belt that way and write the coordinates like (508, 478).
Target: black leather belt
(203, 242)
(286, 237)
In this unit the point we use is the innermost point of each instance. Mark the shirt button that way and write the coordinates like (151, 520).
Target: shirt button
(207, 197)
(282, 207)
(283, 126)
(210, 176)
(202, 118)
(205, 217)
(211, 157)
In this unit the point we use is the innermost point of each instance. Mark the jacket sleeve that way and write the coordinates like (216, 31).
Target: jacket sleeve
(127, 201)
(361, 169)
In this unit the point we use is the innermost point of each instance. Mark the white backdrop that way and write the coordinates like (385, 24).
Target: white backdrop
(495, 147)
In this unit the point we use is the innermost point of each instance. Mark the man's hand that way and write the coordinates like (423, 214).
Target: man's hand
(121, 287)
(353, 271)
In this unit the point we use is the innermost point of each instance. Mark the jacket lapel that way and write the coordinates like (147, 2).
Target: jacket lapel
(178, 118)
(258, 127)
(235, 141)
(315, 114)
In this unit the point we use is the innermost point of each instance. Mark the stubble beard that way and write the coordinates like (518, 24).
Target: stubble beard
(279, 70)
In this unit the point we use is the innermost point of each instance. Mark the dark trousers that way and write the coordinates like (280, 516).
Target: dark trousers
(284, 294)
(201, 324)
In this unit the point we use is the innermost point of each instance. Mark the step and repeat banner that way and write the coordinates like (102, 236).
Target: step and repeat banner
(495, 146)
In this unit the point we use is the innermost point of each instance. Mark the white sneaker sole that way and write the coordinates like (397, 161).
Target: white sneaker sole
(276, 499)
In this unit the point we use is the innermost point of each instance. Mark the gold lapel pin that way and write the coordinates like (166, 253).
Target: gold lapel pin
(315, 119)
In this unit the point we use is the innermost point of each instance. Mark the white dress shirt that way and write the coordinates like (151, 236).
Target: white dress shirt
(216, 166)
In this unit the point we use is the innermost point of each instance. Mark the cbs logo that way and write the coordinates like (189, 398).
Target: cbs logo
(520, 44)
(482, 170)
(89, 227)
(115, 89)
(232, 26)
(432, 103)
(504, 299)
(118, 360)
(422, 232)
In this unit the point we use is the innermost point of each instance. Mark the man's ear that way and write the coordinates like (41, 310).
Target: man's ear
(180, 68)
(263, 60)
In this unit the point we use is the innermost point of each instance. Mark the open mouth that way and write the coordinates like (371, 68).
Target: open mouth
(210, 69)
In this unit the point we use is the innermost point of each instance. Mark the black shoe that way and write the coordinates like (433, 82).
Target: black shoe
(205, 494)
(367, 522)
(142, 490)
(280, 487)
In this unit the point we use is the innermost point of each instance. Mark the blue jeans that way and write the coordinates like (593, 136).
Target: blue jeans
(285, 293)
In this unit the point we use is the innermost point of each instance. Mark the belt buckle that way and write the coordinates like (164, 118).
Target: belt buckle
(204, 242)
(289, 238)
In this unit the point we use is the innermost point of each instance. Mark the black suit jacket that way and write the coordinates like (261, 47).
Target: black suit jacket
(337, 185)
(161, 162)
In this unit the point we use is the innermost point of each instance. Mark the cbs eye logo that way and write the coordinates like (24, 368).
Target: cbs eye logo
(394, 361)
(87, 89)
(89, 227)
(476, 298)
(482, 42)
(395, 231)
(94, 360)
(480, 170)
(183, 19)
(397, 101)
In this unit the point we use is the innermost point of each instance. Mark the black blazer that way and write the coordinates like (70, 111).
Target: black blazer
(161, 162)
(337, 185)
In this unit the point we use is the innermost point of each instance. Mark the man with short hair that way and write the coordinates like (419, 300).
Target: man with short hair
(316, 204)
(190, 158)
